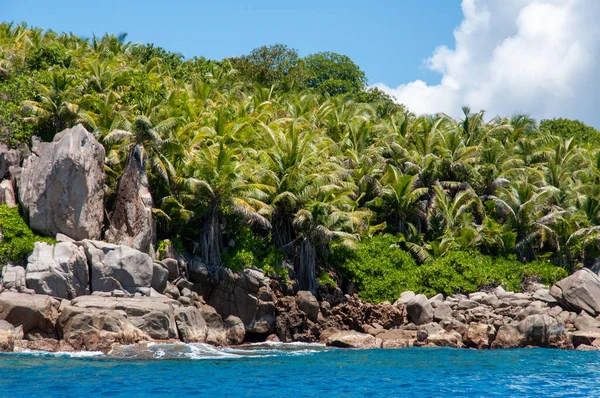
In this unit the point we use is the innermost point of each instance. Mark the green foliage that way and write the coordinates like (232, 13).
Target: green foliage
(13, 128)
(379, 268)
(49, 55)
(326, 279)
(17, 238)
(268, 65)
(381, 271)
(332, 73)
(566, 128)
(467, 272)
(252, 250)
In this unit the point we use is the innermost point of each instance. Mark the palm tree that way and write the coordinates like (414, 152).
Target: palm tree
(56, 105)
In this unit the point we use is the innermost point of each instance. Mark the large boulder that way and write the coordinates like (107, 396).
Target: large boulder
(7, 194)
(7, 337)
(13, 277)
(117, 267)
(8, 158)
(245, 294)
(544, 331)
(419, 310)
(59, 270)
(308, 304)
(579, 291)
(160, 276)
(29, 311)
(131, 220)
(62, 186)
(191, 324)
(349, 339)
(154, 316)
(509, 336)
(97, 329)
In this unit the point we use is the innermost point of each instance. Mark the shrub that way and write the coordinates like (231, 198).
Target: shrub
(381, 271)
(17, 238)
(379, 268)
(252, 250)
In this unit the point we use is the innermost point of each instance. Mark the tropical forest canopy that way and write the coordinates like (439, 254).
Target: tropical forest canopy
(271, 159)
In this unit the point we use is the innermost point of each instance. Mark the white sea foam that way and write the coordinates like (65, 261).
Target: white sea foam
(195, 351)
(65, 354)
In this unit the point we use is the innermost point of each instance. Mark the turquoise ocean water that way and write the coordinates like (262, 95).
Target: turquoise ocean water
(298, 370)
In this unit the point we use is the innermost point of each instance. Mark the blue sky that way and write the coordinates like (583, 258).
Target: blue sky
(388, 39)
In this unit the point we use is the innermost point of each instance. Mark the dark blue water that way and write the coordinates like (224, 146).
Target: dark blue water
(304, 372)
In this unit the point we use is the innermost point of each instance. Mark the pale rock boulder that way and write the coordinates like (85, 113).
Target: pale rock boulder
(7, 194)
(95, 329)
(579, 291)
(131, 219)
(544, 331)
(191, 325)
(29, 311)
(160, 276)
(62, 185)
(59, 270)
(350, 339)
(155, 316)
(117, 267)
(236, 332)
(13, 278)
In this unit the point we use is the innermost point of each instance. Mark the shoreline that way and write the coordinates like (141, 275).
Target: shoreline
(103, 321)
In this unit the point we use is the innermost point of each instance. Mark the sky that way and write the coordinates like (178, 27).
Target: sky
(540, 57)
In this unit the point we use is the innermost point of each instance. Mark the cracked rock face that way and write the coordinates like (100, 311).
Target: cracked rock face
(131, 220)
(59, 271)
(61, 186)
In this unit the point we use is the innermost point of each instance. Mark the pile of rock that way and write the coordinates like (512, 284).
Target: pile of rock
(566, 316)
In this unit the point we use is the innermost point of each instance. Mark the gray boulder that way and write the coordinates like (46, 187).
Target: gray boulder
(13, 277)
(160, 277)
(235, 330)
(7, 194)
(131, 219)
(31, 311)
(59, 271)
(8, 158)
(95, 329)
(544, 331)
(419, 310)
(117, 267)
(308, 304)
(191, 325)
(172, 266)
(579, 291)
(154, 316)
(62, 186)
(245, 294)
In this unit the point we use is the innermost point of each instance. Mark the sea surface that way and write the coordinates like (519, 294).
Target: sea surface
(300, 370)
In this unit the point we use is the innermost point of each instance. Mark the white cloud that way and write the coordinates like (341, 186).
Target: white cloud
(540, 57)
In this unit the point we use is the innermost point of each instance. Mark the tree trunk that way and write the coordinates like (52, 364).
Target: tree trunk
(306, 267)
(211, 243)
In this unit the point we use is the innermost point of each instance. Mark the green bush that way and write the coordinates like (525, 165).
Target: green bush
(17, 239)
(381, 271)
(466, 272)
(379, 268)
(252, 250)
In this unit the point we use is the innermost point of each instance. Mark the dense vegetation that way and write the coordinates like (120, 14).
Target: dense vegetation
(16, 239)
(271, 156)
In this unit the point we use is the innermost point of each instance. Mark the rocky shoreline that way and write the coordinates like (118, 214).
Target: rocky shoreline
(237, 308)
(82, 293)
